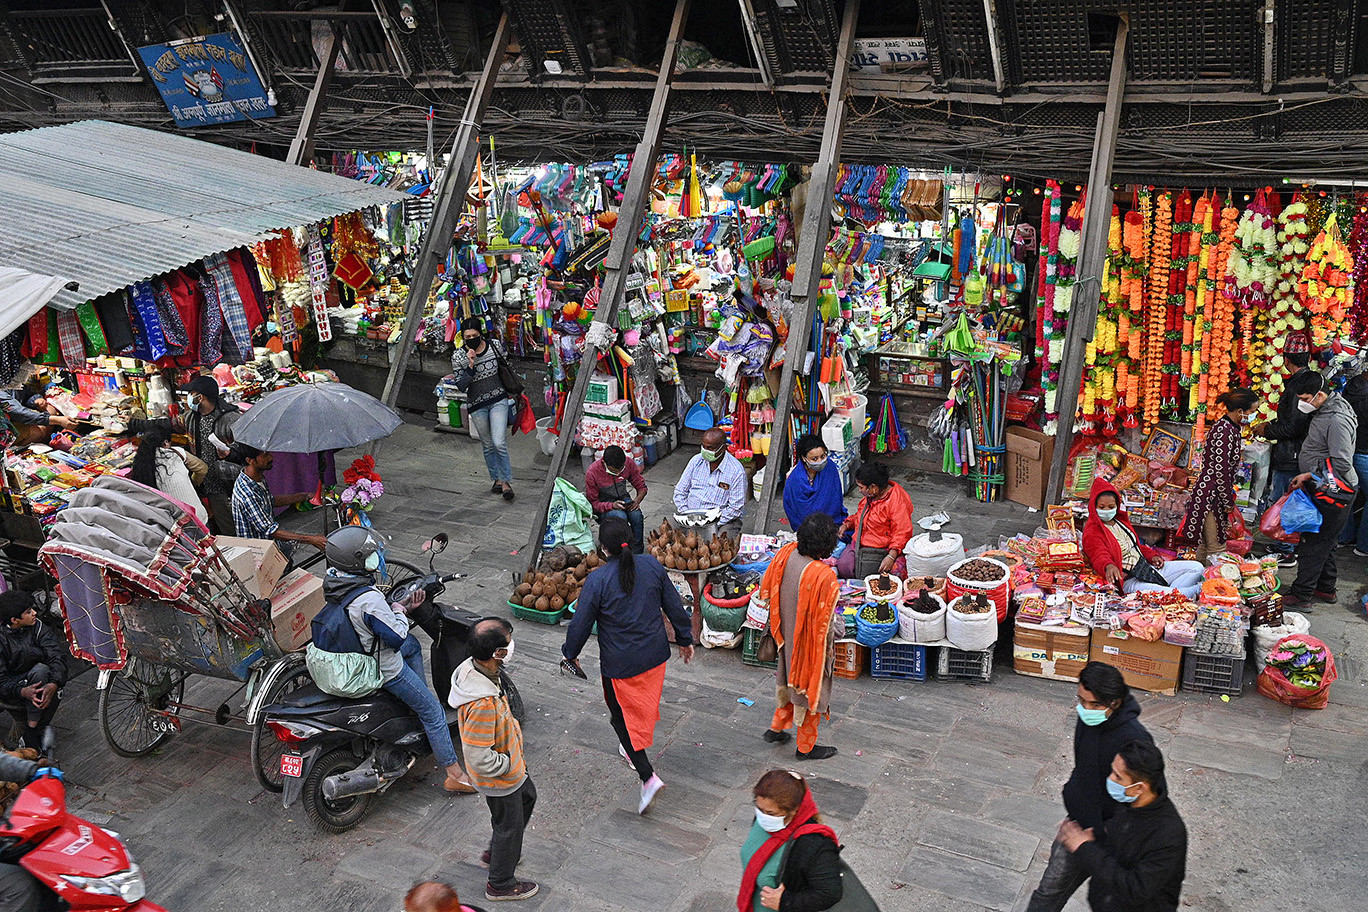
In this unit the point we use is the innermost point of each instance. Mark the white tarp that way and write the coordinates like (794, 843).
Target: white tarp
(23, 294)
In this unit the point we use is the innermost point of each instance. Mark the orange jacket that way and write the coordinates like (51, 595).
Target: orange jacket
(887, 521)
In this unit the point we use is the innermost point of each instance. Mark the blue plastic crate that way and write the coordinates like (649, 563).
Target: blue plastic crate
(899, 660)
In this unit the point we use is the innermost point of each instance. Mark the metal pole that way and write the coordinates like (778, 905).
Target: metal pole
(301, 148)
(1091, 264)
(616, 266)
(446, 209)
(812, 241)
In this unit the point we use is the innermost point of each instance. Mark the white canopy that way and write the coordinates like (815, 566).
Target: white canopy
(23, 294)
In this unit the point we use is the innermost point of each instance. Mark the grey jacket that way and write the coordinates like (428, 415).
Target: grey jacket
(1332, 435)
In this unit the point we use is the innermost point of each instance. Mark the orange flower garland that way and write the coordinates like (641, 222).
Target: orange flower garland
(1221, 324)
(1324, 287)
(1161, 253)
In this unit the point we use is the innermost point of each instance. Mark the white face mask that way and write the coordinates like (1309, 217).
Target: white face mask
(372, 561)
(817, 465)
(768, 822)
(508, 653)
(1305, 407)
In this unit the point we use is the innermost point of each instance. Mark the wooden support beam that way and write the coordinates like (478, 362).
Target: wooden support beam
(994, 49)
(1091, 264)
(446, 209)
(616, 267)
(812, 241)
(302, 146)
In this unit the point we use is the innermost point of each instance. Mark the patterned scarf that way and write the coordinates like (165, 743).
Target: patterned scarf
(230, 302)
(69, 338)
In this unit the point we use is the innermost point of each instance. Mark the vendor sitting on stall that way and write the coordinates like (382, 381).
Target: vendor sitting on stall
(882, 526)
(814, 485)
(607, 485)
(254, 506)
(28, 424)
(1116, 553)
(714, 480)
(33, 667)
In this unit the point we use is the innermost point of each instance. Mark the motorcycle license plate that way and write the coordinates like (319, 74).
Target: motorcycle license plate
(291, 765)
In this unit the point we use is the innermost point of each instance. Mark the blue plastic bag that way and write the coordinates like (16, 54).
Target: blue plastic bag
(1299, 513)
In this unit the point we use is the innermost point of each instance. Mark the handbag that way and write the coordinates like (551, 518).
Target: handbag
(507, 379)
(854, 896)
(1145, 572)
(767, 650)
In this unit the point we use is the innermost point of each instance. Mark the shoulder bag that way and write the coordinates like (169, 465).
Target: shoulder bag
(507, 379)
(854, 896)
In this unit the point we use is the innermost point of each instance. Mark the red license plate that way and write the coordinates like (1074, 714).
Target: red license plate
(292, 765)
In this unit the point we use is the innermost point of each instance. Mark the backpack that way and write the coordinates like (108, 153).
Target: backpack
(336, 661)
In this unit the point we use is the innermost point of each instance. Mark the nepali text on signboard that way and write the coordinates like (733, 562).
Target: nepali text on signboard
(206, 80)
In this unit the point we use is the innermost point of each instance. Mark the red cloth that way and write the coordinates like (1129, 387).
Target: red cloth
(597, 478)
(887, 521)
(801, 825)
(1099, 545)
(639, 697)
(189, 301)
(240, 261)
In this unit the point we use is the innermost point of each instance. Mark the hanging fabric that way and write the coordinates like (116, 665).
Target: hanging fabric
(230, 302)
(145, 311)
(69, 338)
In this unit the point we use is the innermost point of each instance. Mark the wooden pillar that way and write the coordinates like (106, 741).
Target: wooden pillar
(302, 146)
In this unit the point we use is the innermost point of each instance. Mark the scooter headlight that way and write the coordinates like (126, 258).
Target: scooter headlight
(127, 885)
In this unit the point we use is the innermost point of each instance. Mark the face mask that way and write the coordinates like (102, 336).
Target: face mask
(1118, 791)
(1106, 515)
(712, 455)
(614, 472)
(817, 464)
(768, 822)
(372, 561)
(1091, 716)
(1305, 407)
(472, 344)
(508, 653)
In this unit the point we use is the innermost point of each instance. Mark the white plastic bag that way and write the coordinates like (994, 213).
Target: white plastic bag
(933, 558)
(970, 632)
(714, 639)
(1265, 638)
(916, 627)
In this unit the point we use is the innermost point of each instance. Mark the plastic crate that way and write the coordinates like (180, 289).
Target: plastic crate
(750, 645)
(896, 659)
(1218, 674)
(961, 665)
(551, 618)
(850, 659)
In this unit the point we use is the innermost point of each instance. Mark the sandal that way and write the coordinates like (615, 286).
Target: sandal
(508, 493)
(498, 488)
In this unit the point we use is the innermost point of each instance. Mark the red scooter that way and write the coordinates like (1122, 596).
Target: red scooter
(84, 867)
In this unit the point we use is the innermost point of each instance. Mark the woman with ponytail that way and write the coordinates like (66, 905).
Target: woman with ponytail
(625, 598)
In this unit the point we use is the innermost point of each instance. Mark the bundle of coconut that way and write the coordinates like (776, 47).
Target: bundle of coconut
(680, 550)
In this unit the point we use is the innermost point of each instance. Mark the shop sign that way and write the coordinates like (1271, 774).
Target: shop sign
(206, 80)
(871, 54)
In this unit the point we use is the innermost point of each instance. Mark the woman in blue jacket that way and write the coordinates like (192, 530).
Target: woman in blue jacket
(814, 485)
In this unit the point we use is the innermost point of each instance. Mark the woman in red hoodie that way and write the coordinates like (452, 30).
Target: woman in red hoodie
(1117, 553)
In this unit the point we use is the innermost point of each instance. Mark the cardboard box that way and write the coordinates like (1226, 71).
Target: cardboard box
(1028, 466)
(257, 562)
(1054, 652)
(295, 601)
(1154, 667)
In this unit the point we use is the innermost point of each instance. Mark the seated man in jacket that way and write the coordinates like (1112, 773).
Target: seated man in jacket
(33, 667)
(615, 487)
(1137, 858)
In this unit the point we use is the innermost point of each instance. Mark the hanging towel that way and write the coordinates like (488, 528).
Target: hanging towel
(230, 304)
(69, 338)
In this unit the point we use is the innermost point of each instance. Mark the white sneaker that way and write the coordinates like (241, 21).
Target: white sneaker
(1358, 553)
(622, 752)
(648, 793)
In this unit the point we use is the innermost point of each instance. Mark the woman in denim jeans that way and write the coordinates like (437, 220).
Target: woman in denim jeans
(476, 371)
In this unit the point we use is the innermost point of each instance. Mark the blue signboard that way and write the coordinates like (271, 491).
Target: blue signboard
(207, 80)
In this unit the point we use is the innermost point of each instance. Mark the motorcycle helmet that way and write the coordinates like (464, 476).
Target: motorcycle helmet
(354, 549)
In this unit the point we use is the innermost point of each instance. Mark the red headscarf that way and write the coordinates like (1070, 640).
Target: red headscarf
(799, 826)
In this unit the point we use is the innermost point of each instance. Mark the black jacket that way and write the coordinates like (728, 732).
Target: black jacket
(21, 649)
(1095, 746)
(1287, 431)
(1138, 861)
(1356, 394)
(811, 875)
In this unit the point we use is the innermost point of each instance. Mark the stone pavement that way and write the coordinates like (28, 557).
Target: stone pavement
(945, 795)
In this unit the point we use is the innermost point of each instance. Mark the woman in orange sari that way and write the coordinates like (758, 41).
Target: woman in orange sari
(801, 593)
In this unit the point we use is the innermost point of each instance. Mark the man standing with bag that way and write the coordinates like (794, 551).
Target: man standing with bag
(1287, 431)
(1328, 449)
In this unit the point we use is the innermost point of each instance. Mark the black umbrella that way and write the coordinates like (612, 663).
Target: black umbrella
(314, 417)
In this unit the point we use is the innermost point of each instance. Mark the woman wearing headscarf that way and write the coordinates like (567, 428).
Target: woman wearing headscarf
(1213, 494)
(625, 598)
(813, 485)
(791, 859)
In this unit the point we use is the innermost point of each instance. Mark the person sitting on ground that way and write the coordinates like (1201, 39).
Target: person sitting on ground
(492, 742)
(434, 896)
(1136, 860)
(171, 470)
(813, 485)
(788, 835)
(382, 629)
(881, 526)
(714, 480)
(801, 592)
(607, 485)
(254, 506)
(1116, 553)
(33, 667)
(1213, 493)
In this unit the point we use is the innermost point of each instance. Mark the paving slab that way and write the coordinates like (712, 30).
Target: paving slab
(656, 839)
(632, 880)
(1223, 755)
(961, 835)
(961, 878)
(1028, 814)
(976, 760)
(1327, 744)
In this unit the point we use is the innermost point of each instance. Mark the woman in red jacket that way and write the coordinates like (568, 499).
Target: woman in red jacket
(1115, 551)
(881, 526)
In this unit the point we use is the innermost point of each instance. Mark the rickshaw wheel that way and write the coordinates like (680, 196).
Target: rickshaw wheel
(266, 748)
(135, 699)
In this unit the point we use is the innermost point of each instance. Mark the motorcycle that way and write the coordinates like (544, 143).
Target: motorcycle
(341, 752)
(80, 864)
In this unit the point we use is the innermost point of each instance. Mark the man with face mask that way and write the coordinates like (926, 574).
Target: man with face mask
(615, 487)
(1287, 431)
(714, 479)
(1108, 718)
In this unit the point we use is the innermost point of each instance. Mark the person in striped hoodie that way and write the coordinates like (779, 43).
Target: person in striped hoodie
(491, 741)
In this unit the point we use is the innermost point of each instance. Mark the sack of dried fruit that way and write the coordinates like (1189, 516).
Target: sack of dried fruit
(971, 623)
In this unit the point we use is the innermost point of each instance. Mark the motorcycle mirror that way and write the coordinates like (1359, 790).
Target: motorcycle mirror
(437, 544)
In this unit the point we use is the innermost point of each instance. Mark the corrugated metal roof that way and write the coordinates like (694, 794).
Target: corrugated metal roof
(108, 204)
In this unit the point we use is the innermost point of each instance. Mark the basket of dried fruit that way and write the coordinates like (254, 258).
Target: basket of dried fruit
(970, 622)
(921, 617)
(981, 574)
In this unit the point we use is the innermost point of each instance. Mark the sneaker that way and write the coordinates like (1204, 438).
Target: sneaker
(622, 752)
(649, 788)
(818, 752)
(777, 737)
(523, 889)
(1296, 601)
(1287, 561)
(1328, 597)
(1358, 553)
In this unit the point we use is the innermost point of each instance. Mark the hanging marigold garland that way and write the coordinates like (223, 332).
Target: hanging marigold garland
(1220, 324)
(1173, 307)
(1105, 353)
(1131, 319)
(1161, 257)
(1208, 238)
(1324, 286)
(1195, 261)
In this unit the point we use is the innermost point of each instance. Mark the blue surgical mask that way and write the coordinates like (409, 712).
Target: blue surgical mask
(1118, 791)
(1106, 515)
(768, 822)
(1091, 716)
